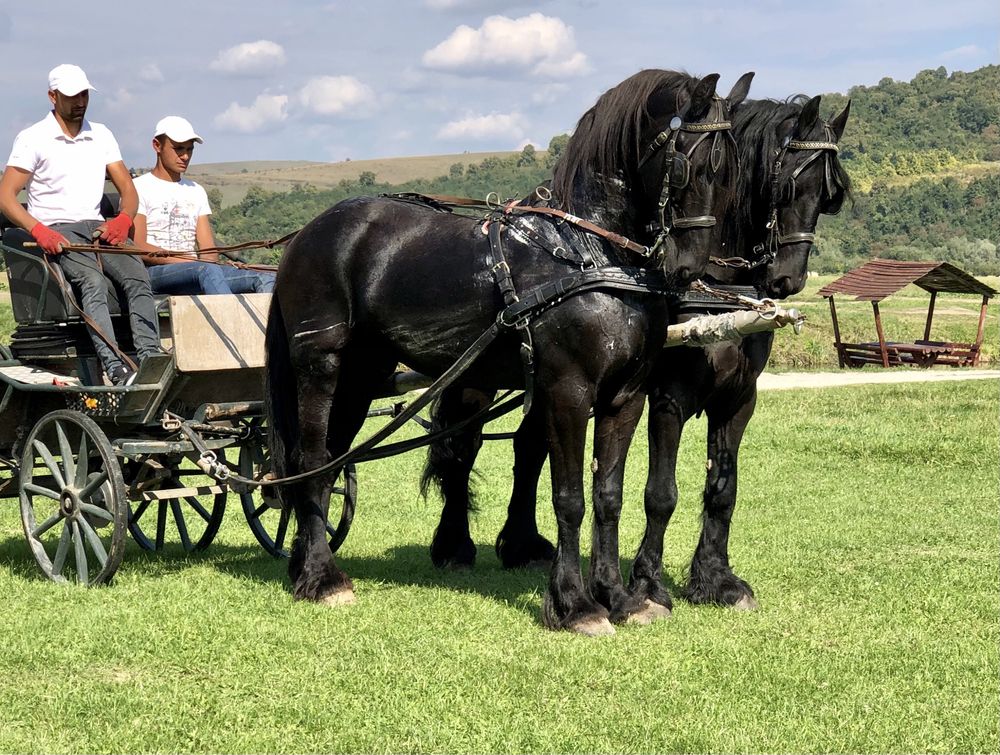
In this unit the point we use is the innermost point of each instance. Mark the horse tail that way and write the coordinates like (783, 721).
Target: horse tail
(449, 460)
(280, 392)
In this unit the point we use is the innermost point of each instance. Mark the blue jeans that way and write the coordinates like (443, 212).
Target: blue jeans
(88, 277)
(188, 278)
(248, 281)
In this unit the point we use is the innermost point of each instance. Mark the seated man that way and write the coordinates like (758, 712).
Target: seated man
(62, 161)
(173, 216)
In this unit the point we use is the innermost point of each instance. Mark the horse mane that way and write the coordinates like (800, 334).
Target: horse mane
(755, 125)
(606, 138)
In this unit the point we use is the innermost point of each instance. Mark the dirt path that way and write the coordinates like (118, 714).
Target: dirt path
(786, 380)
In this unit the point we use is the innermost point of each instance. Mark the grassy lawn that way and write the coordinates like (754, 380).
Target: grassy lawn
(867, 524)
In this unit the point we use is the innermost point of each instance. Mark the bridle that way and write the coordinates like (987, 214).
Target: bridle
(677, 169)
(827, 150)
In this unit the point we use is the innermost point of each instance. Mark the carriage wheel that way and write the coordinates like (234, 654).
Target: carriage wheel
(272, 525)
(73, 499)
(194, 524)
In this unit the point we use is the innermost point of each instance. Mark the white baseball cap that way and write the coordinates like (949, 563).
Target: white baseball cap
(177, 128)
(68, 79)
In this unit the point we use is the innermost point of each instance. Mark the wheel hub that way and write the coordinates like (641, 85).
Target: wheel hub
(69, 504)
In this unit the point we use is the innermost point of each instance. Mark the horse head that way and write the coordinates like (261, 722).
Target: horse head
(686, 168)
(645, 161)
(806, 180)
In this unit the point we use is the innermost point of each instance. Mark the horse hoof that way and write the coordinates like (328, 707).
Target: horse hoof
(340, 598)
(598, 627)
(649, 613)
(746, 603)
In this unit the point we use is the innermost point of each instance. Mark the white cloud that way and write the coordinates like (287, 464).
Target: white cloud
(966, 51)
(151, 74)
(541, 45)
(121, 99)
(485, 127)
(250, 58)
(336, 95)
(266, 111)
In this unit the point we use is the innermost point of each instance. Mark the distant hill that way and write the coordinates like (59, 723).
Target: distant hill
(233, 179)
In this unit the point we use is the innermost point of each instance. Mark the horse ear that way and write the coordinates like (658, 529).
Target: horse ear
(702, 96)
(740, 90)
(808, 116)
(837, 124)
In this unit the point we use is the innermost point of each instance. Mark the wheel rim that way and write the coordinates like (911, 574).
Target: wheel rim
(72, 499)
(273, 526)
(163, 515)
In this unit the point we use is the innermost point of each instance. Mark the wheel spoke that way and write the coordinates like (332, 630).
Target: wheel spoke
(175, 507)
(50, 462)
(161, 524)
(81, 555)
(97, 511)
(260, 510)
(88, 490)
(279, 537)
(83, 461)
(95, 542)
(330, 529)
(43, 491)
(139, 511)
(62, 550)
(69, 465)
(196, 505)
(45, 526)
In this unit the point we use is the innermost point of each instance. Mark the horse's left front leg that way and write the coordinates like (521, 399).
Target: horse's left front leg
(612, 436)
(567, 604)
(712, 579)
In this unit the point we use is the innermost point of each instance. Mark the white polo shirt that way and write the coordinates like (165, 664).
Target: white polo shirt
(172, 209)
(67, 174)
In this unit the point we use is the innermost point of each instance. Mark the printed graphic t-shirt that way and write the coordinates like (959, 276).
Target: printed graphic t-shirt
(172, 209)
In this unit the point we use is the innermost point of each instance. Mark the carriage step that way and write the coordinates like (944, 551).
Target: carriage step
(35, 376)
(166, 495)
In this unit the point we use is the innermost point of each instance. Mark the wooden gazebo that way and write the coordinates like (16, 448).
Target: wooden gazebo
(876, 280)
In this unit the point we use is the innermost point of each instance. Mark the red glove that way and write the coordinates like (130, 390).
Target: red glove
(116, 229)
(50, 241)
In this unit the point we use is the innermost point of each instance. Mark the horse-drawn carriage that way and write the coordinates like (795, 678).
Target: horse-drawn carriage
(530, 296)
(92, 463)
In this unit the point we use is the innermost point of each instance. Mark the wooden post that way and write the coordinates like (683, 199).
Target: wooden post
(836, 334)
(979, 332)
(930, 316)
(881, 335)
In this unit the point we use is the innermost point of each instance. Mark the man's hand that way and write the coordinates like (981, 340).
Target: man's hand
(51, 242)
(115, 231)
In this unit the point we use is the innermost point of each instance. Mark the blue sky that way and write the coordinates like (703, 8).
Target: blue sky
(328, 80)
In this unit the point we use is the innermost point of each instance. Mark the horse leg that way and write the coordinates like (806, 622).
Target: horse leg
(712, 579)
(612, 436)
(666, 422)
(519, 544)
(314, 574)
(449, 464)
(566, 603)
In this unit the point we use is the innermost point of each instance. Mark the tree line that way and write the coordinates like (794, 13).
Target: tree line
(905, 149)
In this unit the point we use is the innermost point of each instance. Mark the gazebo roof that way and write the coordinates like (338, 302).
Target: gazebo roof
(877, 279)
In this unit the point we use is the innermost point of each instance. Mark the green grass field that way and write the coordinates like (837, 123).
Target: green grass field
(867, 524)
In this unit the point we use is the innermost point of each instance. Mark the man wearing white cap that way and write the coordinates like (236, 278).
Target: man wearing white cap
(173, 216)
(63, 160)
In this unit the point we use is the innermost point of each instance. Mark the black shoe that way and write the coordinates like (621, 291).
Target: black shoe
(121, 375)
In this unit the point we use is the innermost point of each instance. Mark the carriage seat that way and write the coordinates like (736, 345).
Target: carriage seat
(35, 295)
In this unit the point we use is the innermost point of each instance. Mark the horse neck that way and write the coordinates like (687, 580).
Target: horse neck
(610, 203)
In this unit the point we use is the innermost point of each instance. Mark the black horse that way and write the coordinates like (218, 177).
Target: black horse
(789, 175)
(377, 281)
